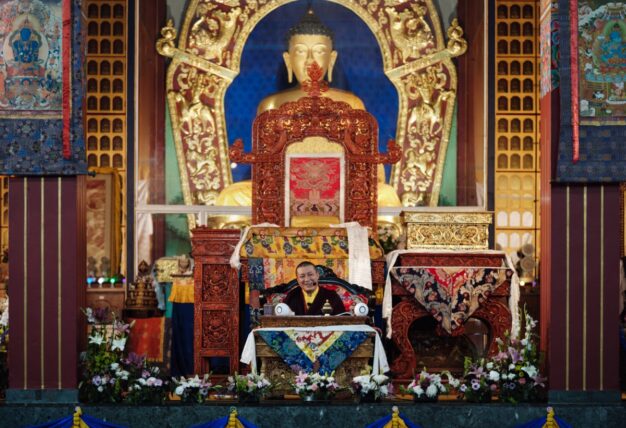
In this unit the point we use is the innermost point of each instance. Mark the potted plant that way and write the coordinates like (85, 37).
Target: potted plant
(249, 388)
(315, 386)
(193, 389)
(370, 388)
(426, 387)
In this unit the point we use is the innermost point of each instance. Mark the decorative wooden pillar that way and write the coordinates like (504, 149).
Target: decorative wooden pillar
(46, 287)
(216, 294)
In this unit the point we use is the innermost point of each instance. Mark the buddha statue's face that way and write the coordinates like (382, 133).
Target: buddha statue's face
(306, 48)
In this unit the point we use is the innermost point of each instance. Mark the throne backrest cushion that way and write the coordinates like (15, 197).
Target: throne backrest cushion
(314, 183)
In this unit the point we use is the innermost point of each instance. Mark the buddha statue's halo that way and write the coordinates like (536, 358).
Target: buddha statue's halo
(309, 24)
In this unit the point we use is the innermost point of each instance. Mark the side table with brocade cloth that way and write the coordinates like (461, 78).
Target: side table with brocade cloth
(451, 287)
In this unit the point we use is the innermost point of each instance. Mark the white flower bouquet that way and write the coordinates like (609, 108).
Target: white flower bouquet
(193, 389)
(426, 387)
(371, 388)
(315, 386)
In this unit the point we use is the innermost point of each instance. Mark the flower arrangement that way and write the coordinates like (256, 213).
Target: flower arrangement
(479, 382)
(250, 387)
(104, 378)
(315, 386)
(193, 390)
(427, 386)
(148, 387)
(370, 387)
(516, 366)
(109, 375)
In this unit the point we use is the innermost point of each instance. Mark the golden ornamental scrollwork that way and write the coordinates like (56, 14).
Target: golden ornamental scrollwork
(428, 97)
(198, 130)
(212, 31)
(449, 217)
(426, 78)
(457, 236)
(457, 45)
(165, 45)
(410, 32)
(448, 230)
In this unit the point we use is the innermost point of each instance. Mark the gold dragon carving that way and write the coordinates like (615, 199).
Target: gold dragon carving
(410, 32)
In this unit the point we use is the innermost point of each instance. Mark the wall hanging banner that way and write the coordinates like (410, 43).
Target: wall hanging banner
(600, 48)
(573, 21)
(67, 80)
(41, 88)
(31, 43)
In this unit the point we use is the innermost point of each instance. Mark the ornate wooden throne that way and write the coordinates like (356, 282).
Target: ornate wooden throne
(309, 129)
(348, 135)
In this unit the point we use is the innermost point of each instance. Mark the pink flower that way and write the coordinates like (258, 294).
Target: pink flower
(314, 387)
(522, 380)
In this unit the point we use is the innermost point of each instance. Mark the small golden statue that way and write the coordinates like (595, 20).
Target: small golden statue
(327, 309)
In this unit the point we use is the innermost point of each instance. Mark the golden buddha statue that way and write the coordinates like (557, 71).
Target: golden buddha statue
(308, 41)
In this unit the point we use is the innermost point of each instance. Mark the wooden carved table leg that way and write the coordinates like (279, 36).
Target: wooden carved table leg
(404, 314)
(498, 318)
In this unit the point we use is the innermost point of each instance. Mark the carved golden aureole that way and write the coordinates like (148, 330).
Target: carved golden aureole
(448, 230)
(207, 59)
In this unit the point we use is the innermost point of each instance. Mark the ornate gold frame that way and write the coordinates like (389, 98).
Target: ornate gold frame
(415, 58)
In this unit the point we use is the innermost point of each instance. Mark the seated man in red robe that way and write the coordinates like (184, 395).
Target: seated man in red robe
(309, 297)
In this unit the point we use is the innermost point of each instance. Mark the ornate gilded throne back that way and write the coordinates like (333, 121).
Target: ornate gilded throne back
(298, 149)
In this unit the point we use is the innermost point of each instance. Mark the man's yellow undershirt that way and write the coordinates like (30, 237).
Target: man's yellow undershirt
(309, 298)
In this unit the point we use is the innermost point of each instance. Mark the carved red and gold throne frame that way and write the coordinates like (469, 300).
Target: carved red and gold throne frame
(353, 132)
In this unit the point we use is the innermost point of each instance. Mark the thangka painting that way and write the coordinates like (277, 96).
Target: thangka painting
(315, 185)
(30, 57)
(602, 62)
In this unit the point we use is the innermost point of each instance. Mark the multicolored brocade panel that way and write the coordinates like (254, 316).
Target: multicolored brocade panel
(274, 253)
(313, 351)
(451, 294)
